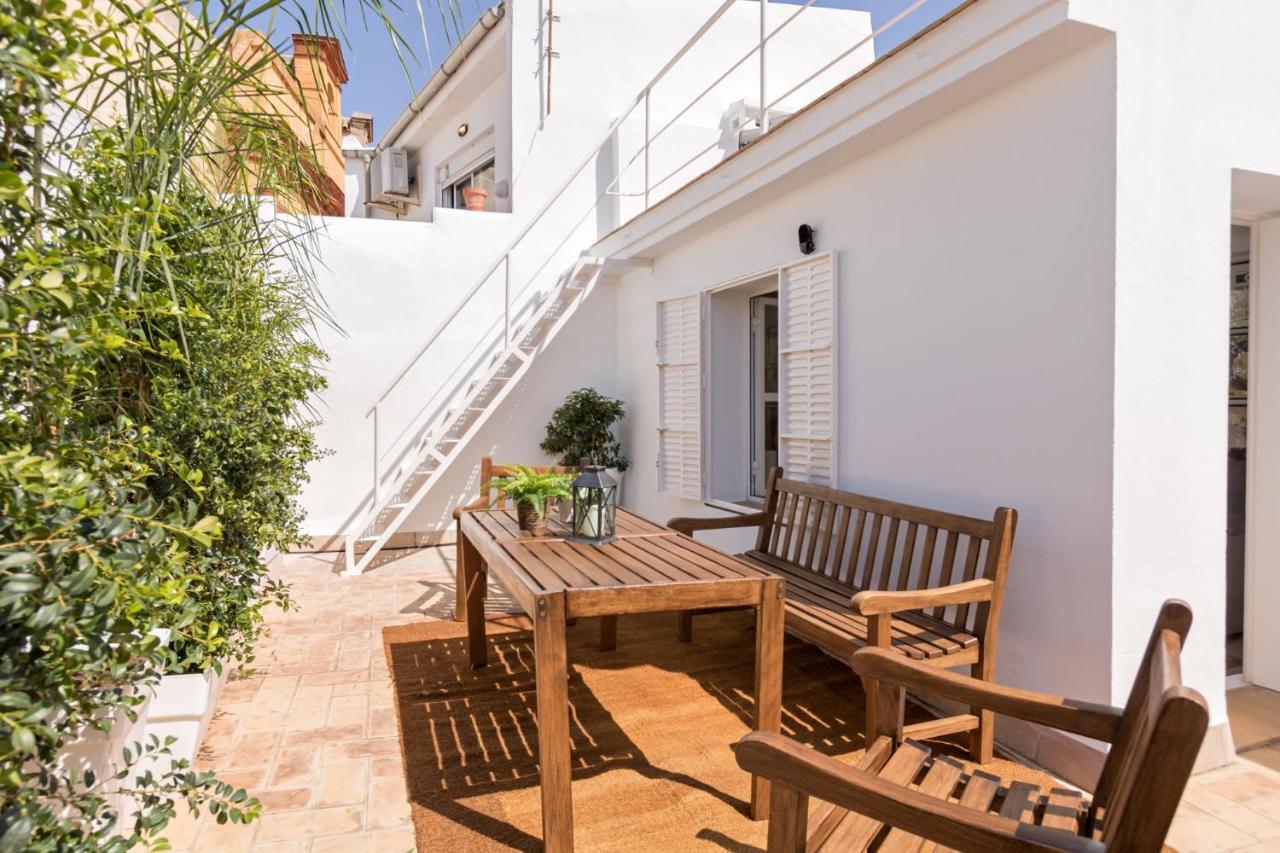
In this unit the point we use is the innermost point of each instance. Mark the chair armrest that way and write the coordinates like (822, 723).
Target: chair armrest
(870, 602)
(481, 502)
(786, 762)
(688, 525)
(1101, 722)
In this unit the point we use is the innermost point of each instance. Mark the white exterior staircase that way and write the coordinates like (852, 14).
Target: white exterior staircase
(496, 364)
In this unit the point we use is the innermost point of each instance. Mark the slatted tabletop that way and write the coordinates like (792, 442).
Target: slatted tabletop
(648, 568)
(645, 555)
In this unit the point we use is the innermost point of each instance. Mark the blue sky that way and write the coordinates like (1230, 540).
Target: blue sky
(378, 83)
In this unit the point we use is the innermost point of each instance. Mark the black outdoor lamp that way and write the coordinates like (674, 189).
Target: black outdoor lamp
(595, 505)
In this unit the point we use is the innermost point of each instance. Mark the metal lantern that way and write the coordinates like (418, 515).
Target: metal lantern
(595, 505)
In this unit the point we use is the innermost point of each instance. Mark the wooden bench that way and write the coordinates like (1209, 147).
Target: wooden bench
(490, 497)
(900, 796)
(861, 571)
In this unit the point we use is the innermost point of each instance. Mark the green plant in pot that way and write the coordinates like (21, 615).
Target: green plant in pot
(530, 490)
(583, 427)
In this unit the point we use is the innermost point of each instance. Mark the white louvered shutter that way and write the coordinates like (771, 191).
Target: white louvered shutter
(680, 397)
(807, 361)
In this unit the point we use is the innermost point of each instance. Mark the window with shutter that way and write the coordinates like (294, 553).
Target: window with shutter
(807, 366)
(680, 397)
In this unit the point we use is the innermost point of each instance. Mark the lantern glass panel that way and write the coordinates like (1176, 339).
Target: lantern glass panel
(595, 496)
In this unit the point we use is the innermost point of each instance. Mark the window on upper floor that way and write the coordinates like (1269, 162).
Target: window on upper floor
(472, 190)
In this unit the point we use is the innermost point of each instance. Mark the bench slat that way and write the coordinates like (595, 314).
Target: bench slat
(826, 603)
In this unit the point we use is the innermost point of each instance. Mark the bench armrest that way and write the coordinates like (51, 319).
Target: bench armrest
(687, 526)
(870, 602)
(1101, 722)
(787, 763)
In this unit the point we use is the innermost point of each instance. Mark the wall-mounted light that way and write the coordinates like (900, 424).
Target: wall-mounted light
(807, 242)
(463, 128)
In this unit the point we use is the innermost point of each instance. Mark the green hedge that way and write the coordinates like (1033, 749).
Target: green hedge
(155, 365)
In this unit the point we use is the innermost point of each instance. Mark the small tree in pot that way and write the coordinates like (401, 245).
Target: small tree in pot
(583, 427)
(530, 490)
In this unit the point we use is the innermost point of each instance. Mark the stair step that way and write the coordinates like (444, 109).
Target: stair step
(372, 538)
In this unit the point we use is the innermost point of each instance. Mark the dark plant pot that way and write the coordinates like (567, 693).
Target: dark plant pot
(531, 521)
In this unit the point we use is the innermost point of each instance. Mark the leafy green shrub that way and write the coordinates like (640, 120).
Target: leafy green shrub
(583, 426)
(154, 367)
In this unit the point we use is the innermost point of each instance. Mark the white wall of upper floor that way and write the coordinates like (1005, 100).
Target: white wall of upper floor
(542, 119)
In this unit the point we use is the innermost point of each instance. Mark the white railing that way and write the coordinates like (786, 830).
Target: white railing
(518, 304)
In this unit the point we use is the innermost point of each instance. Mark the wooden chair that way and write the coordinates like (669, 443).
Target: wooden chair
(899, 795)
(860, 571)
(489, 497)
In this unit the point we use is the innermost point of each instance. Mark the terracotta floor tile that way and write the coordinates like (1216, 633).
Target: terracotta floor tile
(343, 783)
(1255, 783)
(215, 837)
(388, 802)
(325, 735)
(282, 847)
(296, 766)
(363, 748)
(254, 749)
(283, 799)
(390, 765)
(311, 822)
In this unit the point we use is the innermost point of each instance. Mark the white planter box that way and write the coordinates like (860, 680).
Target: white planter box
(103, 753)
(181, 708)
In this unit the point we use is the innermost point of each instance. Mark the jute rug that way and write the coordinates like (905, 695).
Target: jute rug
(652, 723)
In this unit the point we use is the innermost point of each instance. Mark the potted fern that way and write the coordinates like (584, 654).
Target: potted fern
(530, 490)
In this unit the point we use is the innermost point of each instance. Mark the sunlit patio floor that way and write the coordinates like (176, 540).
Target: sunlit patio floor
(312, 733)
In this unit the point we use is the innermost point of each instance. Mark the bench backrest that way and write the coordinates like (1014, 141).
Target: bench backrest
(1155, 750)
(869, 543)
(490, 496)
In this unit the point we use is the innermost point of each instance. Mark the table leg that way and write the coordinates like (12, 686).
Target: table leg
(474, 579)
(552, 680)
(770, 621)
(608, 633)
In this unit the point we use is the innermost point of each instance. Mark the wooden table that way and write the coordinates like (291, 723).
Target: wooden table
(649, 568)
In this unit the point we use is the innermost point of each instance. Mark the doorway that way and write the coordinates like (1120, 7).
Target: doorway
(764, 391)
(1237, 449)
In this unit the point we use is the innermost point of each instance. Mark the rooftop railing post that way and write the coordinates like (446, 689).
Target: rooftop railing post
(764, 97)
(377, 484)
(646, 148)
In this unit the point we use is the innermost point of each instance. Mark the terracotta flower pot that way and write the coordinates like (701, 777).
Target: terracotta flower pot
(530, 519)
(475, 197)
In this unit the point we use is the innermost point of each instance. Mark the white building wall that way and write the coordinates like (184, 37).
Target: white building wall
(975, 275)
(389, 284)
(1196, 98)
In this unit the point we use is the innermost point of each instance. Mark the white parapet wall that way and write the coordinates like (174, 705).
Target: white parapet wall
(388, 285)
